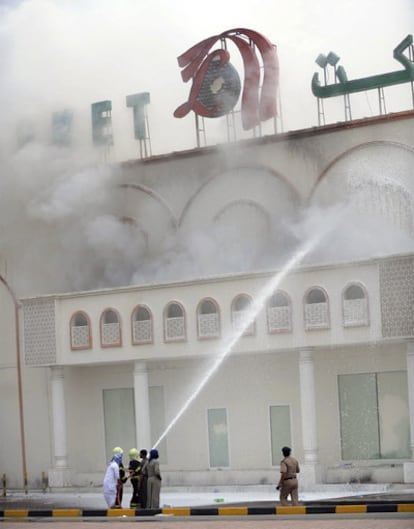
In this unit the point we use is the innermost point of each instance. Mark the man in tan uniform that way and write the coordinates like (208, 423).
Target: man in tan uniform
(288, 483)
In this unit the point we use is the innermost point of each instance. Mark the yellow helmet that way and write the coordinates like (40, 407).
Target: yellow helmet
(133, 453)
(117, 450)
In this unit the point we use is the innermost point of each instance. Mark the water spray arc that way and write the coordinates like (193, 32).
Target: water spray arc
(255, 308)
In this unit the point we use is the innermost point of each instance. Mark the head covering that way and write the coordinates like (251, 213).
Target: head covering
(117, 450)
(133, 453)
(117, 458)
(153, 454)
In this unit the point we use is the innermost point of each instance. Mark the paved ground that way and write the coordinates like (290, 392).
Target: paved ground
(225, 496)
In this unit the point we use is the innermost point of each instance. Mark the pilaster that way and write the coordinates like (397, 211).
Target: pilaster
(409, 465)
(310, 466)
(59, 475)
(142, 412)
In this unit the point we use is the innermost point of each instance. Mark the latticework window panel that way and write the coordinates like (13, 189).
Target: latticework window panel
(355, 312)
(240, 318)
(279, 319)
(80, 337)
(208, 325)
(316, 316)
(111, 334)
(174, 329)
(142, 331)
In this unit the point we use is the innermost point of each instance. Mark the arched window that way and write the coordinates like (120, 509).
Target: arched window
(208, 319)
(354, 306)
(316, 309)
(141, 325)
(174, 322)
(241, 315)
(80, 331)
(279, 314)
(110, 329)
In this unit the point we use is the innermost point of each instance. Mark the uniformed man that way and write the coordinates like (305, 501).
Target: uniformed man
(288, 482)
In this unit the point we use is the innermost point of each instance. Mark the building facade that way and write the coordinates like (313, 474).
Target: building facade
(294, 325)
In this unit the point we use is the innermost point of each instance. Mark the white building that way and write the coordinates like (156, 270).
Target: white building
(325, 366)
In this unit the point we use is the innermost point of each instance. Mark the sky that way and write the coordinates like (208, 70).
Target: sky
(67, 54)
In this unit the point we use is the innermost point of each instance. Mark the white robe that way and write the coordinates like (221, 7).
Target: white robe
(109, 484)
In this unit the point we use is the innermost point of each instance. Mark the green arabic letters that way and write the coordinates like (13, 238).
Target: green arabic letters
(342, 86)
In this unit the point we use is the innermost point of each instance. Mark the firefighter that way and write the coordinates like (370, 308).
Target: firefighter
(134, 469)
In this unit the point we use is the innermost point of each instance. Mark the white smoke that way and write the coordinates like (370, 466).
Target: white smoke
(49, 200)
(63, 230)
(60, 219)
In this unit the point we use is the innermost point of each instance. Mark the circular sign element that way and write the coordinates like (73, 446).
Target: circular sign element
(220, 90)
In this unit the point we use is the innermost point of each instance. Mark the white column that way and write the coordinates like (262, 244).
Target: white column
(409, 466)
(310, 473)
(142, 412)
(59, 475)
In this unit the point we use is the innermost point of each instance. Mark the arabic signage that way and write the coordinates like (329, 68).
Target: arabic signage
(216, 85)
(344, 86)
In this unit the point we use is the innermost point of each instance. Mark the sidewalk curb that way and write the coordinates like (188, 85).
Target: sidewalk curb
(358, 508)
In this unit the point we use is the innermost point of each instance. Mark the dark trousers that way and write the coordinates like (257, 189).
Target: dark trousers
(143, 486)
(135, 499)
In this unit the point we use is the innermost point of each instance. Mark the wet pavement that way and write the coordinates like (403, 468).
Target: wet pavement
(172, 497)
(339, 507)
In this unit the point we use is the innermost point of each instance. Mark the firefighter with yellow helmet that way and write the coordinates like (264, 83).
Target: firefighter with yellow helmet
(134, 469)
